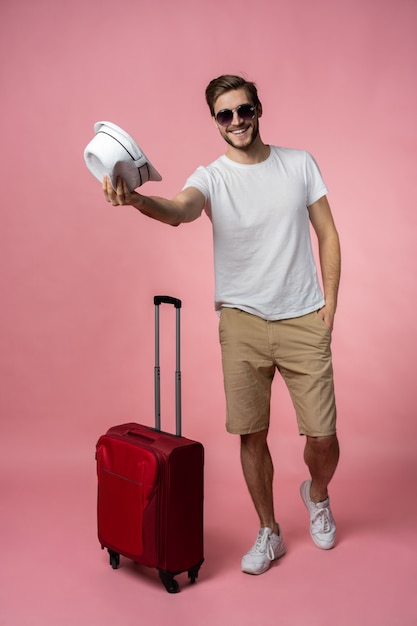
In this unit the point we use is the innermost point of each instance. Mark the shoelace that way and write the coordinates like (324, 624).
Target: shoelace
(263, 546)
(321, 522)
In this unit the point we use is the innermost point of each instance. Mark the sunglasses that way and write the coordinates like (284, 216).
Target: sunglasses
(245, 112)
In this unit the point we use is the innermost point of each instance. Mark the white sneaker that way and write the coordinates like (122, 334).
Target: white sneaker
(267, 547)
(322, 524)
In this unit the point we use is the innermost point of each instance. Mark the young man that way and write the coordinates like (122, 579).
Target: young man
(273, 314)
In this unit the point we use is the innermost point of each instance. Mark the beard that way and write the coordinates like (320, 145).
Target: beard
(244, 148)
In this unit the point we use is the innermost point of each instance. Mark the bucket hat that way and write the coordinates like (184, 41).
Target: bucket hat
(113, 152)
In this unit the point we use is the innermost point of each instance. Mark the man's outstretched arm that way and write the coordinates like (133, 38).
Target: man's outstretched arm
(186, 206)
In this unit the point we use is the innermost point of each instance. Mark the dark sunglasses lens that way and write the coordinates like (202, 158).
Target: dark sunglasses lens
(224, 117)
(246, 112)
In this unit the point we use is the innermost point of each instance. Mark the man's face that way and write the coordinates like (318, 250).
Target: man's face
(239, 134)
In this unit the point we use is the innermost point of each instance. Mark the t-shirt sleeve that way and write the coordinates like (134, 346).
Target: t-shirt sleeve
(316, 187)
(199, 180)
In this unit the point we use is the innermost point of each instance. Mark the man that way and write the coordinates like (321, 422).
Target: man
(273, 314)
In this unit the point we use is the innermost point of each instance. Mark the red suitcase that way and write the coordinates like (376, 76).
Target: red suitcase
(150, 488)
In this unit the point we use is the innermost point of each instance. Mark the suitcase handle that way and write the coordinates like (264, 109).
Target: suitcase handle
(157, 371)
(167, 300)
(137, 433)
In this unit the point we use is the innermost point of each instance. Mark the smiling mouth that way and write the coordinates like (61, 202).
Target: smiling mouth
(241, 131)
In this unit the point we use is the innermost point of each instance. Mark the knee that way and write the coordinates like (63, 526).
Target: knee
(254, 441)
(323, 445)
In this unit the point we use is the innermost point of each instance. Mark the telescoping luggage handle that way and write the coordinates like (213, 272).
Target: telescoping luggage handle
(157, 372)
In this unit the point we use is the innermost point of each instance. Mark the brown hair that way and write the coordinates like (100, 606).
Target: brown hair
(228, 82)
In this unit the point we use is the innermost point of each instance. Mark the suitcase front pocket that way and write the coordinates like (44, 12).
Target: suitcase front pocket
(127, 476)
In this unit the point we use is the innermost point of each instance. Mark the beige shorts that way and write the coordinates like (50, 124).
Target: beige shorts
(253, 349)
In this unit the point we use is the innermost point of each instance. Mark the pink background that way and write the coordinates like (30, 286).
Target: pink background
(78, 277)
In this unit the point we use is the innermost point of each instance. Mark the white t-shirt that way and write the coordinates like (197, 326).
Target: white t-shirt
(263, 258)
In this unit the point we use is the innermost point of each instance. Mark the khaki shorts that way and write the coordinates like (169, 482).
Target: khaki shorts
(253, 349)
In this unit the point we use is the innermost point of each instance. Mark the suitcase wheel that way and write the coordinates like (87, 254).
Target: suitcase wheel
(169, 582)
(114, 559)
(193, 574)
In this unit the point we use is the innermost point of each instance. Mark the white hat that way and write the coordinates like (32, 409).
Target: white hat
(112, 151)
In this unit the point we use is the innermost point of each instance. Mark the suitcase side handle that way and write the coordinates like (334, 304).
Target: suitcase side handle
(167, 300)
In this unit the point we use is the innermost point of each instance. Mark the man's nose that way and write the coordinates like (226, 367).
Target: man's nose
(236, 119)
